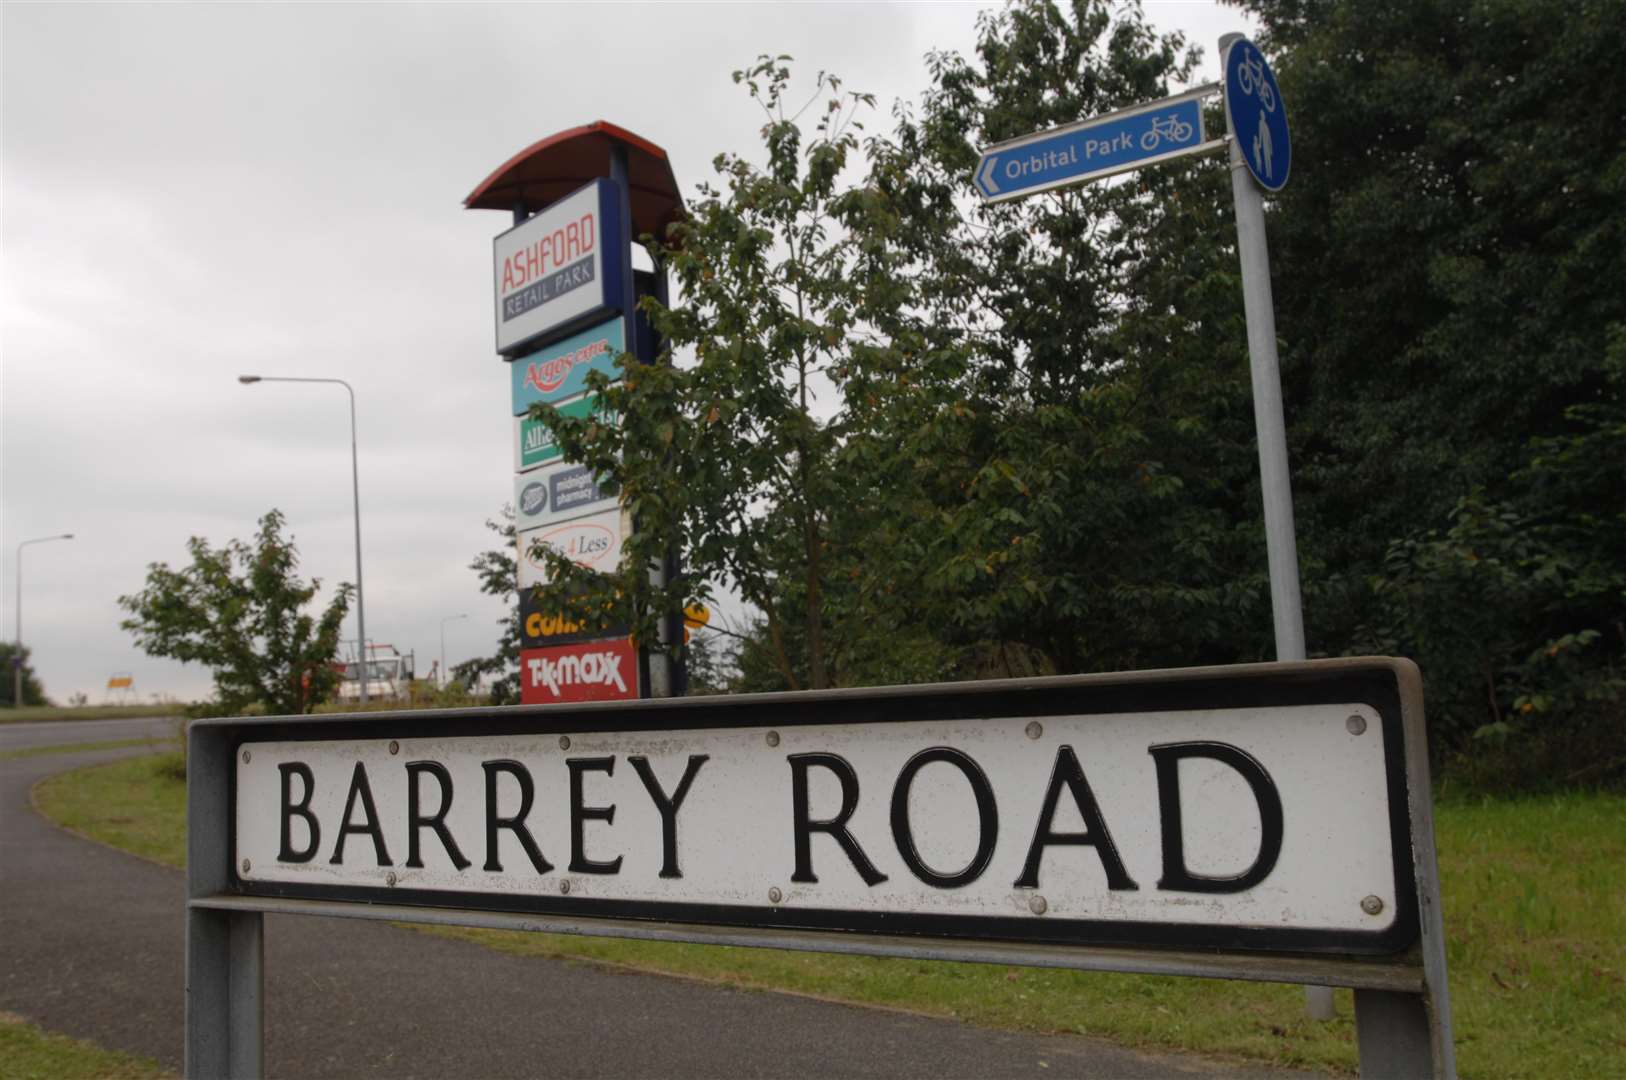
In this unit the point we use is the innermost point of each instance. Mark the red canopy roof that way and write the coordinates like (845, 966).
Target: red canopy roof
(547, 171)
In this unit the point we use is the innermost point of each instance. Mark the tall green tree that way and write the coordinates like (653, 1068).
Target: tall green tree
(1069, 414)
(498, 571)
(33, 691)
(1447, 261)
(239, 610)
(727, 458)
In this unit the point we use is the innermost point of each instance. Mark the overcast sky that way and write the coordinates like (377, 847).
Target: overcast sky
(192, 192)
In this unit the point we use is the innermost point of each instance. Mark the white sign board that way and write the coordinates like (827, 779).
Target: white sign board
(558, 268)
(1189, 824)
(594, 542)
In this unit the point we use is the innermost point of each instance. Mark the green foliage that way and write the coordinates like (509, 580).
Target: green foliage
(728, 462)
(498, 571)
(1447, 263)
(1065, 437)
(239, 610)
(33, 692)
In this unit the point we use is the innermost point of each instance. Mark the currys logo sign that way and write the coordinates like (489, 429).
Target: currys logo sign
(596, 671)
(560, 371)
(559, 267)
(594, 542)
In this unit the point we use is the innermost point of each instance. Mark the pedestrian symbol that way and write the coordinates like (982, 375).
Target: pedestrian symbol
(1257, 115)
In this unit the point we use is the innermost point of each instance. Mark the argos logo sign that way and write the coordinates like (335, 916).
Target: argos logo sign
(559, 371)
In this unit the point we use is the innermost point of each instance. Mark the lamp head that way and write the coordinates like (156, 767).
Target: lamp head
(248, 379)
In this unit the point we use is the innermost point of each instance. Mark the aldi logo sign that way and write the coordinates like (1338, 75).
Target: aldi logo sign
(559, 268)
(595, 671)
(552, 374)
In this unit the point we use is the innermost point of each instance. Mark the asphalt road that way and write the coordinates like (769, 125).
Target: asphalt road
(70, 732)
(92, 941)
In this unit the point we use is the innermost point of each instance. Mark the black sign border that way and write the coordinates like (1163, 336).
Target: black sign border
(1375, 684)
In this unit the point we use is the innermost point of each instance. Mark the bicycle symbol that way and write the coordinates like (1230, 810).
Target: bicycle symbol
(1252, 74)
(1171, 127)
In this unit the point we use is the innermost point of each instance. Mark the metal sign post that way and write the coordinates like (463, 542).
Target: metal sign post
(1266, 822)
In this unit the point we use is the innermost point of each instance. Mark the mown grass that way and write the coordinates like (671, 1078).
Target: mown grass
(35, 713)
(137, 804)
(73, 748)
(1535, 912)
(28, 1053)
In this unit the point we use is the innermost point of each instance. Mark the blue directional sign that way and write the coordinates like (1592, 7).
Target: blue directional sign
(1257, 115)
(1114, 143)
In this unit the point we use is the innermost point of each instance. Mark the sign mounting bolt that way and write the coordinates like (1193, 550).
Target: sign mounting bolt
(247, 756)
(389, 878)
(245, 866)
(774, 895)
(1034, 729)
(1372, 905)
(564, 888)
(1355, 725)
(773, 738)
(1038, 905)
(395, 747)
(564, 742)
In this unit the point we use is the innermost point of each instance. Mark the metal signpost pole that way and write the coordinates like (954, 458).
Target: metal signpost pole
(1281, 545)
(17, 657)
(660, 664)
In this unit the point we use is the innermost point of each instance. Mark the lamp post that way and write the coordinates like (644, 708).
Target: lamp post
(17, 659)
(443, 622)
(355, 490)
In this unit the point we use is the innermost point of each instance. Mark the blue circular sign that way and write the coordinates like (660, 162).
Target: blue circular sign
(1257, 115)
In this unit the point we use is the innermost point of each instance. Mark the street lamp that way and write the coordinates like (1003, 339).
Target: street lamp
(355, 488)
(443, 622)
(17, 660)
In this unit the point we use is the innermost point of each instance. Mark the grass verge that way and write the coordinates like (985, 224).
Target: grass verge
(74, 748)
(1535, 915)
(28, 1053)
(136, 804)
(35, 713)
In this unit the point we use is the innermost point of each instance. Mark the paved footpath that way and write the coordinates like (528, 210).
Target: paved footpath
(91, 945)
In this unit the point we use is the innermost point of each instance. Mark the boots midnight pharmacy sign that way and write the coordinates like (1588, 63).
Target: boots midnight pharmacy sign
(1244, 810)
(559, 268)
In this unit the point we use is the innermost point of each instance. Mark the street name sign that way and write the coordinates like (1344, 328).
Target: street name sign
(1091, 149)
(1202, 811)
(1257, 115)
(1268, 822)
(559, 268)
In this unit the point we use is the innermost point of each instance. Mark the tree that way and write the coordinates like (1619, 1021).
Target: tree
(1447, 260)
(239, 610)
(33, 692)
(498, 571)
(727, 462)
(1068, 412)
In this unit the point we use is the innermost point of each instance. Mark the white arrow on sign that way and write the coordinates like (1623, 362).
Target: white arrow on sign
(985, 175)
